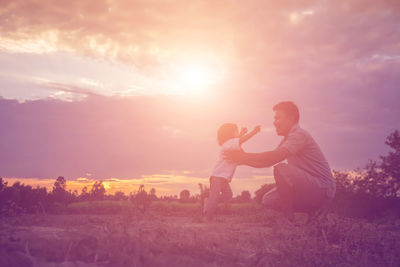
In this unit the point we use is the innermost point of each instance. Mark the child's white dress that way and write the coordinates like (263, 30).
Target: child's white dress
(225, 168)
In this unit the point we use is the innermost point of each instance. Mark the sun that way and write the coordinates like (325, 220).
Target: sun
(194, 76)
(194, 79)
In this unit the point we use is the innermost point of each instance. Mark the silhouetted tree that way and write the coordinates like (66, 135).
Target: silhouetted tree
(72, 195)
(374, 190)
(152, 191)
(141, 200)
(22, 198)
(153, 194)
(245, 196)
(344, 183)
(3, 184)
(119, 195)
(98, 191)
(382, 178)
(184, 195)
(59, 192)
(391, 163)
(60, 184)
(84, 194)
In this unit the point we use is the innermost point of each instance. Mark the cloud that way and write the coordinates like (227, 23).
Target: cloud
(104, 136)
(148, 31)
(257, 42)
(142, 32)
(74, 92)
(145, 33)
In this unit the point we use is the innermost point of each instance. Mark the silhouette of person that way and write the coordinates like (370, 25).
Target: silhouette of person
(305, 182)
(229, 139)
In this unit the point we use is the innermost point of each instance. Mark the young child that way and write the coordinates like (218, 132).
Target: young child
(229, 138)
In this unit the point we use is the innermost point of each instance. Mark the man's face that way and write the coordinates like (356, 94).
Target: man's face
(282, 122)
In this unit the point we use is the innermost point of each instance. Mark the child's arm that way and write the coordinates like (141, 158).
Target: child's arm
(249, 135)
(243, 131)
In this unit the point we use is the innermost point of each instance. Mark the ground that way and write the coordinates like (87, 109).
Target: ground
(159, 239)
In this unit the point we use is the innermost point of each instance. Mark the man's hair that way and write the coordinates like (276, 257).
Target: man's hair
(226, 132)
(289, 108)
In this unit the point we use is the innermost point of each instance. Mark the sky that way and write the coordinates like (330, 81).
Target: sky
(133, 92)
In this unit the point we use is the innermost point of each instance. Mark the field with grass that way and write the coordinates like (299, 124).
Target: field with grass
(115, 233)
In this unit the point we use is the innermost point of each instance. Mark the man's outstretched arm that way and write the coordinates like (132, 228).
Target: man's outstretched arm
(258, 160)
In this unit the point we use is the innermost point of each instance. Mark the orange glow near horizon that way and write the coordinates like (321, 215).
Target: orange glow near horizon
(165, 185)
(111, 185)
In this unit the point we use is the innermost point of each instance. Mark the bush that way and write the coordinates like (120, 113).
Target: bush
(141, 200)
(353, 200)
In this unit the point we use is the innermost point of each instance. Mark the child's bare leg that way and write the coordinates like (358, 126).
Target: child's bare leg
(226, 194)
(212, 201)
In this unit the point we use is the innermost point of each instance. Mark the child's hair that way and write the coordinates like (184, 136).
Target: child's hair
(226, 132)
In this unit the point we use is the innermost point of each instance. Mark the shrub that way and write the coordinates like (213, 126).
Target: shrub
(141, 200)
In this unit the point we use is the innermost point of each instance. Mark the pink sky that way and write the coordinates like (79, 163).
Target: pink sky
(137, 89)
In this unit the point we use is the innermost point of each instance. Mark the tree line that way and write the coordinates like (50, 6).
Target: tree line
(20, 198)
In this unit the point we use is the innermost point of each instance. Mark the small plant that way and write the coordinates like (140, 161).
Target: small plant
(184, 196)
(141, 200)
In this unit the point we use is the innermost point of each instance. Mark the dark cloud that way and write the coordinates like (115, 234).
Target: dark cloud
(107, 137)
(129, 137)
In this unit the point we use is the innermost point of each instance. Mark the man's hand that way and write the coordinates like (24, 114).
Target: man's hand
(257, 129)
(235, 156)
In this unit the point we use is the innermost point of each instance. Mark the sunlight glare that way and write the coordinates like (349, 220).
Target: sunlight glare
(194, 79)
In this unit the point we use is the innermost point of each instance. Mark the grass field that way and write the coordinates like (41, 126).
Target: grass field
(173, 234)
(160, 207)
